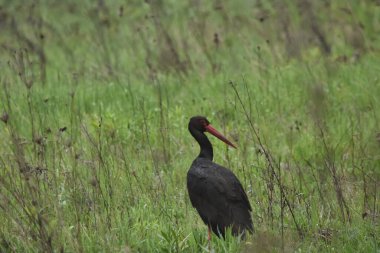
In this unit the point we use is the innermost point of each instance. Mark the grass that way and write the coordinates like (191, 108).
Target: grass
(95, 100)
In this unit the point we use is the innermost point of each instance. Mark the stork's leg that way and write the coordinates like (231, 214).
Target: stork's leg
(209, 238)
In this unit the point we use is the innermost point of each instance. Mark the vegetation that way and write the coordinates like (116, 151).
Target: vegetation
(96, 96)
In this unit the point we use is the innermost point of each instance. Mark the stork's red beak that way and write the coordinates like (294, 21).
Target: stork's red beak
(218, 135)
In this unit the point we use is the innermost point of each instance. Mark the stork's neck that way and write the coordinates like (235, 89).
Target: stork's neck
(204, 143)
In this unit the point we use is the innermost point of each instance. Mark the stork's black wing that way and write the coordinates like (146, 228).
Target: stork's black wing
(219, 197)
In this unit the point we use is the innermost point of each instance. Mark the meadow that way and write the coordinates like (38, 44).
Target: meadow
(96, 96)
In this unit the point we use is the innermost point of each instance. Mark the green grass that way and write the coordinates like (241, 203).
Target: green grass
(94, 142)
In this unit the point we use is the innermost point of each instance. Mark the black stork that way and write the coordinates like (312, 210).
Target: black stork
(214, 190)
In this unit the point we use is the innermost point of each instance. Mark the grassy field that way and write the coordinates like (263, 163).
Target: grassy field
(95, 100)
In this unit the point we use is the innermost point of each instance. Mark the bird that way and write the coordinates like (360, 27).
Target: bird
(214, 191)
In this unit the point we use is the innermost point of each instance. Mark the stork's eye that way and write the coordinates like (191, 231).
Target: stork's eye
(203, 122)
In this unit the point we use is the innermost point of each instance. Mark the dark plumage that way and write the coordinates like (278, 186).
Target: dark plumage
(215, 191)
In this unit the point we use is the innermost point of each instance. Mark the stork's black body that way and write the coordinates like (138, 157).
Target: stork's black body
(215, 191)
